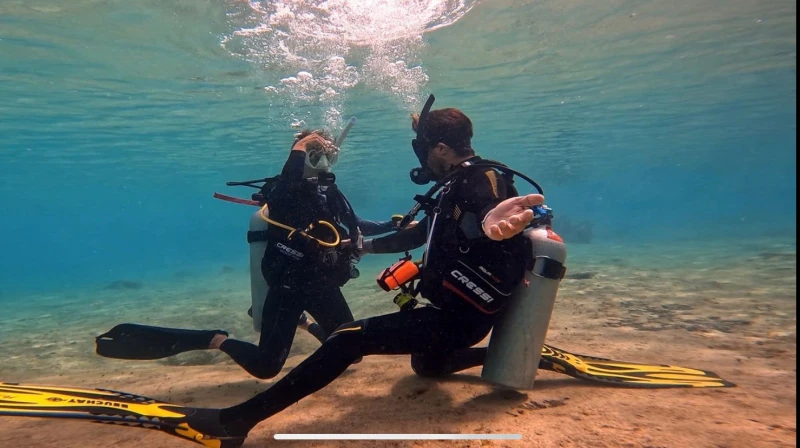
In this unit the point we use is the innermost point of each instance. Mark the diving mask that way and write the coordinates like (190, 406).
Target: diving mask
(322, 159)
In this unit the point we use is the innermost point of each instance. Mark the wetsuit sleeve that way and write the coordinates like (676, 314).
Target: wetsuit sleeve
(403, 240)
(368, 228)
(293, 168)
(371, 228)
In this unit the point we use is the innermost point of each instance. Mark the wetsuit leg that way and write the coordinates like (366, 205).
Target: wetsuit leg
(282, 310)
(420, 330)
(432, 364)
(329, 309)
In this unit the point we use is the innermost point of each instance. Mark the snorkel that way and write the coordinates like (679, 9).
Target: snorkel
(341, 138)
(421, 145)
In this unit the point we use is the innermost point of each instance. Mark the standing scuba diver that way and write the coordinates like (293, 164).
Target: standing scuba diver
(300, 254)
(473, 226)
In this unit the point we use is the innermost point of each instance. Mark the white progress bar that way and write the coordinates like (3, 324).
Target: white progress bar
(398, 436)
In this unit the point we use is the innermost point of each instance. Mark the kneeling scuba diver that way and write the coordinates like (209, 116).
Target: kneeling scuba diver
(502, 259)
(297, 251)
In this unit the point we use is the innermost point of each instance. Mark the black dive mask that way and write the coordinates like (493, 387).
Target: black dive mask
(422, 175)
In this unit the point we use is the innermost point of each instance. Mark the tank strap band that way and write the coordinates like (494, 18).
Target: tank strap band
(548, 268)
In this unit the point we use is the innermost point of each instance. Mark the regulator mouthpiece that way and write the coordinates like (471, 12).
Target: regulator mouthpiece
(420, 176)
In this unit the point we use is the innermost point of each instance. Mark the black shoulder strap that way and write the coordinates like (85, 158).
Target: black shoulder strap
(343, 206)
(511, 189)
(508, 175)
(262, 197)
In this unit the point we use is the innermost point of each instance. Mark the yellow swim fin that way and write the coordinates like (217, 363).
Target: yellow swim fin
(627, 374)
(108, 406)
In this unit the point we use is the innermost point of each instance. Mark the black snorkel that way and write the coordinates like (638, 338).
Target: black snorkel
(422, 175)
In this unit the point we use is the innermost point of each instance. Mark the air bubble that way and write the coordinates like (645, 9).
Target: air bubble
(317, 50)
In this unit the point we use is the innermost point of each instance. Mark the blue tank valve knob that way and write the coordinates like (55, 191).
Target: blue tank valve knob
(542, 214)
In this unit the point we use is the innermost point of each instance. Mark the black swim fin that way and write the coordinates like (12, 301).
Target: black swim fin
(135, 341)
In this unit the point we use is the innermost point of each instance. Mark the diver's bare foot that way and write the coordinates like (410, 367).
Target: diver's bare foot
(312, 327)
(217, 340)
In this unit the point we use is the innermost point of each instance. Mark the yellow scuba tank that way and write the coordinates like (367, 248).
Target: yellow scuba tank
(515, 346)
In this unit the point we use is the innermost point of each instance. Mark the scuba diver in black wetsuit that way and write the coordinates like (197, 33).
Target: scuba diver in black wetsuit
(303, 268)
(305, 263)
(475, 257)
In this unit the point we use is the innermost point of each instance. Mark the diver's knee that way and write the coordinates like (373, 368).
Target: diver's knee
(346, 341)
(268, 370)
(349, 331)
(269, 366)
(266, 374)
(427, 367)
(259, 362)
(427, 372)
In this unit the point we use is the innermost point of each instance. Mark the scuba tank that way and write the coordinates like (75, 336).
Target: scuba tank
(515, 346)
(258, 285)
(257, 241)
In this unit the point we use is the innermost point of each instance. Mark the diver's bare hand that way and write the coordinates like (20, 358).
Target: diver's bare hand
(414, 122)
(307, 141)
(411, 225)
(398, 220)
(510, 217)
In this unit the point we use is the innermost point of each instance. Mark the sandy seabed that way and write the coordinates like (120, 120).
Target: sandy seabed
(731, 310)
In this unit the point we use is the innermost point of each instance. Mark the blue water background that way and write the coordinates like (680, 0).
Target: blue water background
(656, 122)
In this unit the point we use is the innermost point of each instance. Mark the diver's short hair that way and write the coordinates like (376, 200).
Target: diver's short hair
(451, 127)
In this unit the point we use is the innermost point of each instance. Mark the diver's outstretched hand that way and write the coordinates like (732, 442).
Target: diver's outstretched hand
(510, 217)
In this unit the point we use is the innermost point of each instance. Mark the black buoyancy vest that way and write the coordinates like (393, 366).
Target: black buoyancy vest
(458, 247)
(298, 261)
